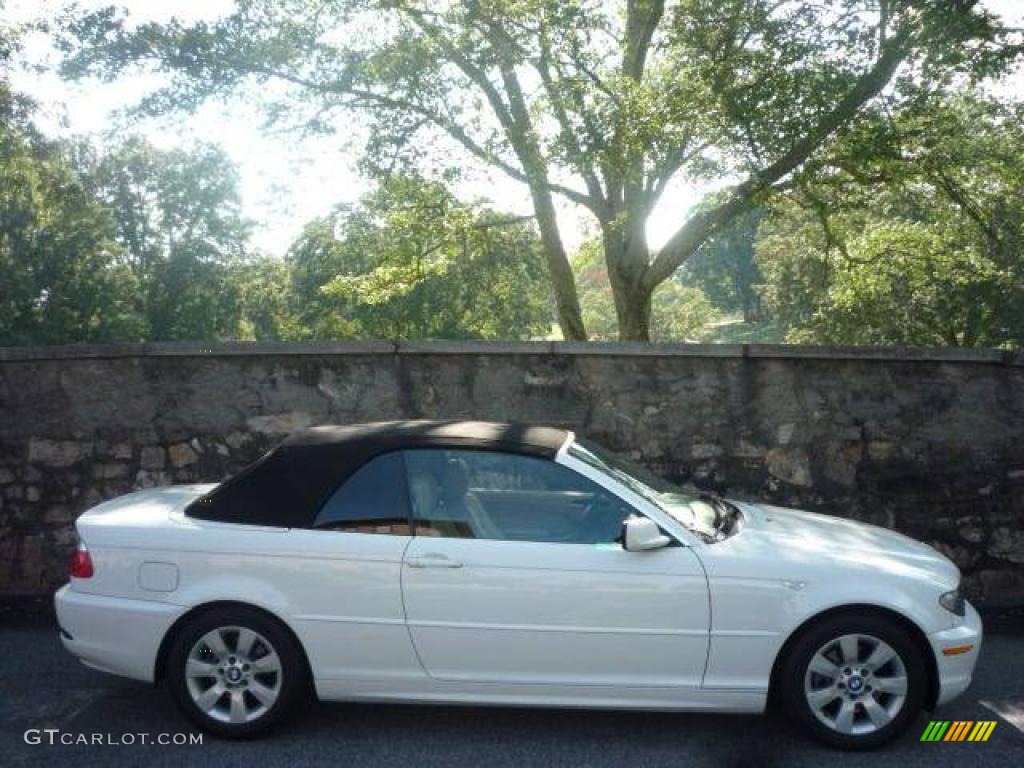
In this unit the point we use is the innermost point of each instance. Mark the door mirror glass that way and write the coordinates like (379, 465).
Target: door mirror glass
(641, 533)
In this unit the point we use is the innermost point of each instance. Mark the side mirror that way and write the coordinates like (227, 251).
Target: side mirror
(640, 534)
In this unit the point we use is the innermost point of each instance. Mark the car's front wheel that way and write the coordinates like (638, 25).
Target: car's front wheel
(235, 672)
(854, 681)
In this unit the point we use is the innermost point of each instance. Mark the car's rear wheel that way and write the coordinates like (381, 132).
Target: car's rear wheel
(236, 672)
(854, 681)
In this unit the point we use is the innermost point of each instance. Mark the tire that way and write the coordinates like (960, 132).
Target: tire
(853, 681)
(236, 672)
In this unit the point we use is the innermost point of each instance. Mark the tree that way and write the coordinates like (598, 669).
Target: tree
(265, 302)
(177, 218)
(412, 261)
(120, 245)
(724, 267)
(919, 246)
(797, 262)
(678, 312)
(907, 283)
(600, 103)
(60, 279)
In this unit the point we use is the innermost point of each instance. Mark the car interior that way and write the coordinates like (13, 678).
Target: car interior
(481, 498)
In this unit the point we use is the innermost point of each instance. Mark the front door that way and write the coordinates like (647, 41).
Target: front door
(515, 575)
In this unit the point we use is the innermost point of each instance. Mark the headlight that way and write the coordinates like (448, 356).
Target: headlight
(954, 602)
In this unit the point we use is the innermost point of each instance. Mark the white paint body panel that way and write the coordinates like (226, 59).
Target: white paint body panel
(692, 626)
(563, 614)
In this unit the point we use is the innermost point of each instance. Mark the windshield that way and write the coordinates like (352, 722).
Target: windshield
(684, 507)
(711, 517)
(639, 479)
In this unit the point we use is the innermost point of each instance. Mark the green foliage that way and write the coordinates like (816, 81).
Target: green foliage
(908, 283)
(796, 264)
(412, 261)
(131, 244)
(679, 312)
(602, 103)
(921, 247)
(60, 279)
(894, 209)
(178, 221)
(264, 299)
(725, 268)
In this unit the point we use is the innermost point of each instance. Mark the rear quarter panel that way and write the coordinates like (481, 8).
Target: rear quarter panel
(340, 593)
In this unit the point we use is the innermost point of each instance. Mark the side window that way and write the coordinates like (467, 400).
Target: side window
(372, 500)
(490, 495)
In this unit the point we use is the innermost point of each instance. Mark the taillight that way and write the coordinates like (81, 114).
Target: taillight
(81, 563)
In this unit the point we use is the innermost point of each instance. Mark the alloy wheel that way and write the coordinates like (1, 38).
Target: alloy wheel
(856, 684)
(233, 674)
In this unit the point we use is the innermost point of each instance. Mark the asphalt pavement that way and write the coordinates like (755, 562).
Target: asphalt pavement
(43, 687)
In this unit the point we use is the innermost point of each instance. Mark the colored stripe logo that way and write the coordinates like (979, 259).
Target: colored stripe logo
(958, 730)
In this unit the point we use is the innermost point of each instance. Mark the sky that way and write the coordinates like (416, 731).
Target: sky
(286, 180)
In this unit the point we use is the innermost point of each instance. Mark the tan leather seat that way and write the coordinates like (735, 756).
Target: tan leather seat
(460, 501)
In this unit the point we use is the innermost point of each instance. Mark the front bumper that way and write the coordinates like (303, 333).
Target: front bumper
(955, 671)
(113, 634)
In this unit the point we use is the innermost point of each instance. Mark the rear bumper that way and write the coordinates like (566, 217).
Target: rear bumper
(113, 634)
(956, 670)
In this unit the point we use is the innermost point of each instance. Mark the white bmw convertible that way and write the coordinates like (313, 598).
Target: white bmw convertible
(479, 563)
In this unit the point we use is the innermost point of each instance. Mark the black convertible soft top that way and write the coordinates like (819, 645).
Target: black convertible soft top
(288, 486)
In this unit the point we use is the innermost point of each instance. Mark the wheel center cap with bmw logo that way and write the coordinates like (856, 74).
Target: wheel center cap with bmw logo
(234, 674)
(855, 683)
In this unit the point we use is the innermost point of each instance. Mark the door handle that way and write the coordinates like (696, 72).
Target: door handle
(432, 561)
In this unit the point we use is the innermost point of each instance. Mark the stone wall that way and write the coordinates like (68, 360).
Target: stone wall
(930, 442)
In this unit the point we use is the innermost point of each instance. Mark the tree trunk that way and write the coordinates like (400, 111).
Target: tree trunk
(570, 318)
(520, 133)
(626, 257)
(634, 314)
